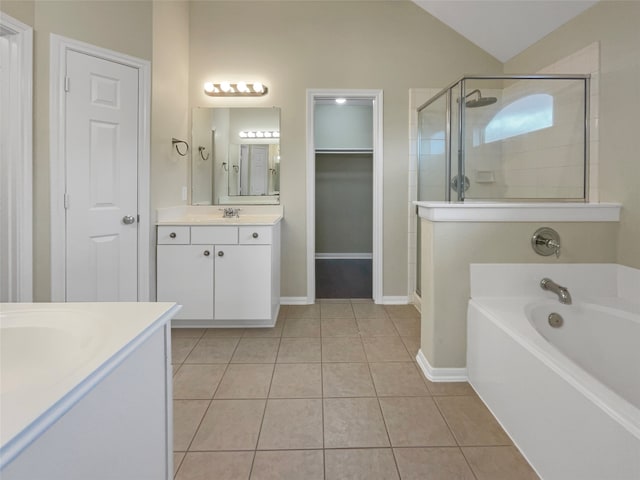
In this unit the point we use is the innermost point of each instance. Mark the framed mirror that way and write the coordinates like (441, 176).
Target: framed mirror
(235, 156)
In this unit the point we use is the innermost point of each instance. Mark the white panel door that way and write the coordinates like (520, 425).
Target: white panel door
(101, 143)
(242, 282)
(259, 165)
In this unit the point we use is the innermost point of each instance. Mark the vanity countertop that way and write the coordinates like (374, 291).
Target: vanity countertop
(212, 215)
(53, 354)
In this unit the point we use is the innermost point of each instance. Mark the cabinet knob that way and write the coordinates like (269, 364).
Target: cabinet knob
(207, 253)
(221, 253)
(172, 234)
(255, 235)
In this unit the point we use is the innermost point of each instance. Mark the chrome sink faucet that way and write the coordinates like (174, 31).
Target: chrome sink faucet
(563, 294)
(230, 212)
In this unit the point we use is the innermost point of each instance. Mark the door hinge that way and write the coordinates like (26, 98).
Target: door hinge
(67, 83)
(66, 201)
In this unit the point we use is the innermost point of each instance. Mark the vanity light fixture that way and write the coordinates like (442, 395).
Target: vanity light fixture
(259, 134)
(240, 89)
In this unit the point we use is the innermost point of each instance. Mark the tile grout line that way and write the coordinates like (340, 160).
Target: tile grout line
(264, 412)
(212, 397)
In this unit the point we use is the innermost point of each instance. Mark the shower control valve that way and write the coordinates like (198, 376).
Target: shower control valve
(546, 241)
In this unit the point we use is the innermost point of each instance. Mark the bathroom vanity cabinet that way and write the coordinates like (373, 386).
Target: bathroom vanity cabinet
(222, 275)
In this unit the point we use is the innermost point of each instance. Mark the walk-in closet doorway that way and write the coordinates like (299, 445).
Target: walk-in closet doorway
(344, 194)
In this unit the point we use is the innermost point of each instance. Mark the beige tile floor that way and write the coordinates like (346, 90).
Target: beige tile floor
(331, 392)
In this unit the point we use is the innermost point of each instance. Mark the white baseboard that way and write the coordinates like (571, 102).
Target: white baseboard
(399, 300)
(417, 301)
(440, 374)
(293, 301)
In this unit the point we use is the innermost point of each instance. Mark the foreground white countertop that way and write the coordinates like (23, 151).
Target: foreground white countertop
(53, 354)
(518, 212)
(212, 215)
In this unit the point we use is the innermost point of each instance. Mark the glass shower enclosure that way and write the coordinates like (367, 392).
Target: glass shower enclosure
(505, 138)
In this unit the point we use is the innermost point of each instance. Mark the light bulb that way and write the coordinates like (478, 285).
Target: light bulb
(242, 87)
(260, 134)
(208, 87)
(243, 134)
(267, 135)
(225, 87)
(258, 87)
(251, 134)
(340, 101)
(276, 134)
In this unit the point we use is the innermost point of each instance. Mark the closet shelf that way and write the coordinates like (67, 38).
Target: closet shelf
(343, 151)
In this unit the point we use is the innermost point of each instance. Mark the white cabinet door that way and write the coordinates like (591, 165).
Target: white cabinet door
(242, 282)
(185, 276)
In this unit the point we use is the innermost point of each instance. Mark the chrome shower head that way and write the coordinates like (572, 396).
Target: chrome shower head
(479, 101)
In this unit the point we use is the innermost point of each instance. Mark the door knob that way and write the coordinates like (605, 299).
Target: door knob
(128, 219)
(221, 253)
(255, 235)
(207, 253)
(172, 234)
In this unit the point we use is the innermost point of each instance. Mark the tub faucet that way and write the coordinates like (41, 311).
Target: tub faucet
(563, 294)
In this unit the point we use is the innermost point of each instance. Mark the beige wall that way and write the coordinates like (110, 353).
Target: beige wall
(449, 247)
(616, 25)
(170, 113)
(294, 46)
(92, 22)
(22, 10)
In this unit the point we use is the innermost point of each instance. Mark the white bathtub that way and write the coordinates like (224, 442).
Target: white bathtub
(568, 397)
(55, 356)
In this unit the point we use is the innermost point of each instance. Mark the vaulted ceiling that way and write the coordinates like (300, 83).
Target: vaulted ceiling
(504, 28)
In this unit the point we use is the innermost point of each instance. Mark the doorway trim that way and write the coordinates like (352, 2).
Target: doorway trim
(20, 146)
(59, 46)
(377, 97)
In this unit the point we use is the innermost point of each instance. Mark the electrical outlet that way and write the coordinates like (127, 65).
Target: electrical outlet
(184, 194)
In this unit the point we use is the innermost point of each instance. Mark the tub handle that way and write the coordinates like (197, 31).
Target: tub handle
(546, 241)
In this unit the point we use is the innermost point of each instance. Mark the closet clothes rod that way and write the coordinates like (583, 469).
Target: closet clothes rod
(343, 151)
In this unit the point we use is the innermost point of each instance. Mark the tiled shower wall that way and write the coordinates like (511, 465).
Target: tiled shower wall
(583, 61)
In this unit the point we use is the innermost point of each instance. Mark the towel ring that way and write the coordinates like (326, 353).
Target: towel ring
(175, 142)
(202, 149)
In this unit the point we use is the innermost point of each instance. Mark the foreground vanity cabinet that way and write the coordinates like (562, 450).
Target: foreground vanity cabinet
(221, 275)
